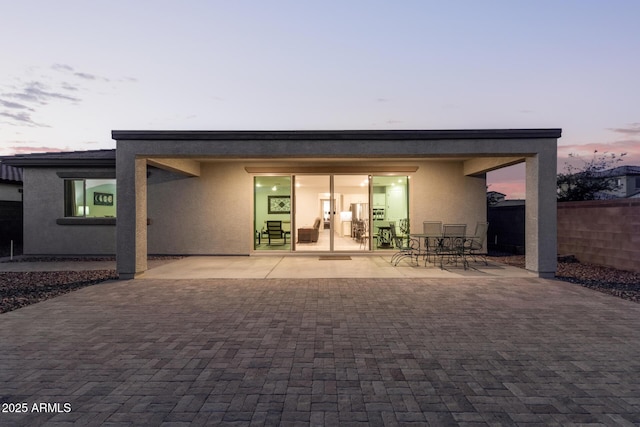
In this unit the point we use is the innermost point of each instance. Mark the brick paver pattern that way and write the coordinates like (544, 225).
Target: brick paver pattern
(325, 352)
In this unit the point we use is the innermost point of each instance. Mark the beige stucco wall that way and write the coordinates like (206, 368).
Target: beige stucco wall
(210, 214)
(43, 205)
(213, 213)
(440, 192)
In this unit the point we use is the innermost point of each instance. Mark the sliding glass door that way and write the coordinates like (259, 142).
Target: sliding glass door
(272, 213)
(351, 222)
(314, 210)
(390, 205)
(329, 213)
(339, 202)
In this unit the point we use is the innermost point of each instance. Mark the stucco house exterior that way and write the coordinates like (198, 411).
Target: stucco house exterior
(627, 181)
(10, 182)
(213, 192)
(10, 208)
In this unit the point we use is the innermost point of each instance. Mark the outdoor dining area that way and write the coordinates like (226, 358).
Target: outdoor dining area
(440, 244)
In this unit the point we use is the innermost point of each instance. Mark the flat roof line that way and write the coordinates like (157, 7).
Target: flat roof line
(335, 134)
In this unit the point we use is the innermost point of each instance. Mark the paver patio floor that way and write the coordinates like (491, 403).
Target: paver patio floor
(330, 351)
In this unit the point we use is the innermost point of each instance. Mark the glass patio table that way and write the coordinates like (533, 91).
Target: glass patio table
(426, 243)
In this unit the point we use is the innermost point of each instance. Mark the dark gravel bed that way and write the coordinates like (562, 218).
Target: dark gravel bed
(21, 289)
(18, 289)
(623, 284)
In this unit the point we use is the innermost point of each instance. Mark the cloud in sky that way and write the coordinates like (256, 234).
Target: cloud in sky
(39, 93)
(27, 97)
(70, 70)
(36, 149)
(22, 118)
(9, 104)
(21, 101)
(633, 129)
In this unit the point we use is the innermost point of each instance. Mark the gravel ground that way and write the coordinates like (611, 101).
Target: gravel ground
(21, 289)
(623, 284)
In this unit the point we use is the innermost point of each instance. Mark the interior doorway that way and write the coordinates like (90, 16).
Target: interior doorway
(326, 200)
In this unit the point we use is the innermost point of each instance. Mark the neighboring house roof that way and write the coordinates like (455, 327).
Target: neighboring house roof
(9, 174)
(507, 203)
(495, 193)
(620, 171)
(64, 158)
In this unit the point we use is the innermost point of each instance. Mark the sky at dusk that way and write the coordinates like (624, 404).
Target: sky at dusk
(72, 71)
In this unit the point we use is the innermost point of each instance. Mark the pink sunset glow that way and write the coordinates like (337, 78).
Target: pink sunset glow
(511, 180)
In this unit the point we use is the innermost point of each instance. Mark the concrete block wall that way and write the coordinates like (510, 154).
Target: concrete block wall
(603, 232)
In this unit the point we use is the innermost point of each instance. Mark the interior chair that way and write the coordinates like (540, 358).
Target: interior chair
(474, 244)
(356, 229)
(363, 234)
(433, 237)
(404, 228)
(451, 245)
(309, 234)
(405, 249)
(275, 231)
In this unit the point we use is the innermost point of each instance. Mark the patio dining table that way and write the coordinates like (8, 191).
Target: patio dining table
(454, 249)
(423, 240)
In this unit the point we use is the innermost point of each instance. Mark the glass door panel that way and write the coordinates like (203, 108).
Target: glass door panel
(314, 211)
(390, 199)
(351, 221)
(272, 213)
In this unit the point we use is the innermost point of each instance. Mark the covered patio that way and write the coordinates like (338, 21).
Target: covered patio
(446, 169)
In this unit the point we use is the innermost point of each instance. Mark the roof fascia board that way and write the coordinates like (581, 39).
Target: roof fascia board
(122, 135)
(58, 162)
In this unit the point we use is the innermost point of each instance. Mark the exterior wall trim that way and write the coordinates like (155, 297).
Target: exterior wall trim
(88, 174)
(332, 169)
(86, 221)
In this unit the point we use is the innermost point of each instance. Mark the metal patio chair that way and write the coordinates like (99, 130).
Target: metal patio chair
(473, 245)
(451, 246)
(433, 237)
(405, 249)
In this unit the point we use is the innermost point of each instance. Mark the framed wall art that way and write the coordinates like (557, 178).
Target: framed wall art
(103, 199)
(279, 204)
